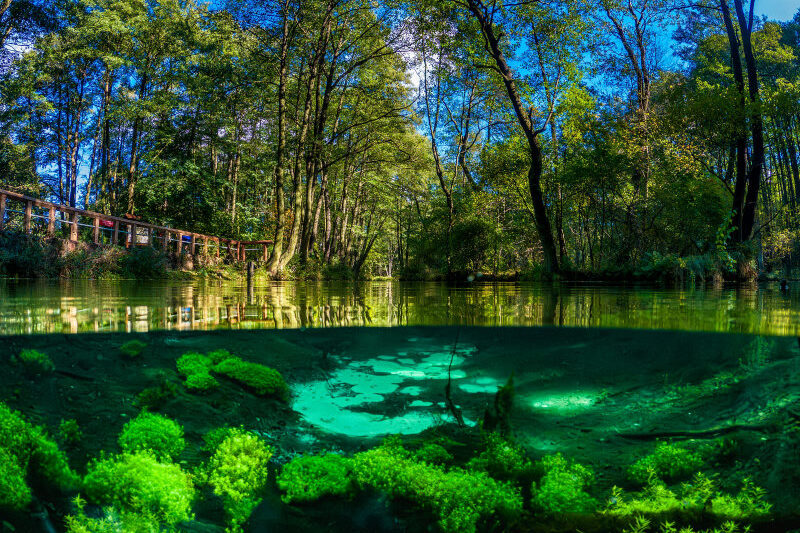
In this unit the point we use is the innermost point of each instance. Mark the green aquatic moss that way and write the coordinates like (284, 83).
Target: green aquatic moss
(238, 474)
(112, 521)
(263, 380)
(27, 452)
(155, 433)
(668, 462)
(311, 477)
(139, 483)
(196, 368)
(133, 348)
(501, 458)
(457, 498)
(433, 453)
(217, 356)
(154, 398)
(35, 362)
(562, 487)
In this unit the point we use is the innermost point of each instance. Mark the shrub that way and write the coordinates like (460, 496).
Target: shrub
(144, 262)
(133, 348)
(26, 451)
(238, 474)
(310, 477)
(155, 433)
(196, 367)
(263, 380)
(35, 362)
(561, 489)
(667, 462)
(137, 482)
(69, 431)
(457, 498)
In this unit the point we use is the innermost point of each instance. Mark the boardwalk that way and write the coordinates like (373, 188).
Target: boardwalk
(97, 228)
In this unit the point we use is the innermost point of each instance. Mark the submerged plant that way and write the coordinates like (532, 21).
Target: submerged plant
(27, 452)
(196, 368)
(154, 398)
(501, 458)
(238, 474)
(133, 348)
(112, 521)
(35, 362)
(155, 433)
(311, 477)
(263, 380)
(70, 432)
(668, 462)
(139, 483)
(562, 487)
(433, 453)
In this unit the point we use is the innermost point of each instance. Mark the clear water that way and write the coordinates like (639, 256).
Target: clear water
(138, 306)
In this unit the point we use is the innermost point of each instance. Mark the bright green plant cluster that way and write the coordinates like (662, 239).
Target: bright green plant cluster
(667, 462)
(25, 452)
(643, 524)
(263, 380)
(311, 477)
(154, 433)
(35, 362)
(70, 432)
(238, 474)
(154, 398)
(113, 521)
(457, 498)
(133, 348)
(138, 483)
(562, 487)
(501, 458)
(196, 368)
(700, 495)
(433, 453)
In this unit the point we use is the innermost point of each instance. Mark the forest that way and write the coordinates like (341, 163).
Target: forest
(420, 140)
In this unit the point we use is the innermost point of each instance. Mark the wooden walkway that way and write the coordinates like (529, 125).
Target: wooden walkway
(106, 229)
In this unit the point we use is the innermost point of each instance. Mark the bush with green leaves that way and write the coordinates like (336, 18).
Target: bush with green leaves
(112, 521)
(667, 462)
(433, 453)
(27, 452)
(70, 432)
(133, 348)
(562, 487)
(155, 433)
(457, 498)
(139, 483)
(311, 477)
(196, 368)
(238, 474)
(263, 380)
(501, 458)
(154, 398)
(35, 362)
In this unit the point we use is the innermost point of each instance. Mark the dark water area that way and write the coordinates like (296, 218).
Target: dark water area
(603, 398)
(78, 306)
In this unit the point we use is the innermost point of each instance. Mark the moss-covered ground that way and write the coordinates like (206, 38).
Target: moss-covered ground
(634, 417)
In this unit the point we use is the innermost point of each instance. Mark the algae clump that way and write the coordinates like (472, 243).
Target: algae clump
(35, 362)
(133, 348)
(311, 477)
(155, 433)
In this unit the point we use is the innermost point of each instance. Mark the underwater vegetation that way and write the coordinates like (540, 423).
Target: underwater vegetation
(35, 362)
(668, 462)
(28, 454)
(69, 432)
(154, 433)
(311, 477)
(562, 487)
(238, 474)
(133, 348)
(197, 369)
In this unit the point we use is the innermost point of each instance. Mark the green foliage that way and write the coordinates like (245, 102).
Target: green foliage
(69, 432)
(457, 498)
(27, 453)
(263, 380)
(35, 362)
(154, 398)
(562, 487)
(154, 433)
(238, 474)
(139, 483)
(113, 521)
(196, 368)
(143, 262)
(433, 453)
(311, 477)
(133, 348)
(667, 462)
(501, 458)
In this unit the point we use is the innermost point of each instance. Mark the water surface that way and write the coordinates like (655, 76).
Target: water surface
(86, 305)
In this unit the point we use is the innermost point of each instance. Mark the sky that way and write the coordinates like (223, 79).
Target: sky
(777, 9)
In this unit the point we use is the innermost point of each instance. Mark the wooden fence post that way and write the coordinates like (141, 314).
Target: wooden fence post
(265, 253)
(51, 222)
(28, 209)
(193, 245)
(218, 246)
(96, 223)
(115, 237)
(73, 232)
(180, 243)
(2, 211)
(150, 234)
(165, 241)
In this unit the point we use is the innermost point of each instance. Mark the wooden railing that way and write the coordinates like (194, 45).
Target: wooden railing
(137, 233)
